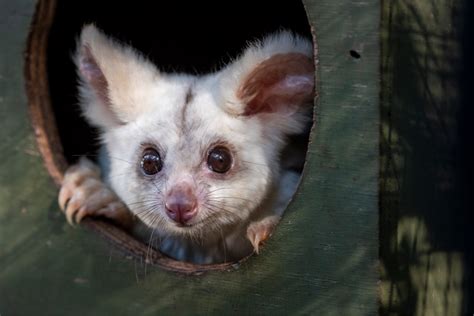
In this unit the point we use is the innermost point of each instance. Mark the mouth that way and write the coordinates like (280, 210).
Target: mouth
(184, 228)
(183, 225)
(189, 227)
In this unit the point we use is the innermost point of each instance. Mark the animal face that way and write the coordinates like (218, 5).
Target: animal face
(188, 164)
(195, 154)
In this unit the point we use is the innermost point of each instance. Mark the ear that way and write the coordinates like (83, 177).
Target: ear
(112, 77)
(275, 76)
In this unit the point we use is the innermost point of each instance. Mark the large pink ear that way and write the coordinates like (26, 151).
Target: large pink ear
(280, 84)
(93, 76)
(275, 76)
(112, 78)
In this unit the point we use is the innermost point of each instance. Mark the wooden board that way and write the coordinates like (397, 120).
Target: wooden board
(321, 260)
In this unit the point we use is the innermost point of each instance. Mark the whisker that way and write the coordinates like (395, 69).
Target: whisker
(230, 218)
(225, 209)
(230, 188)
(229, 198)
(143, 202)
(254, 163)
(223, 244)
(121, 159)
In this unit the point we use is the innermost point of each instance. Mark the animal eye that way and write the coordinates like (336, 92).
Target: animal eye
(151, 162)
(219, 159)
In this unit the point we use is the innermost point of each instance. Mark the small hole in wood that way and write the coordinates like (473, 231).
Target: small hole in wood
(354, 54)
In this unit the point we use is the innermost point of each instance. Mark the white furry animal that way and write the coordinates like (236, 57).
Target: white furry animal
(194, 158)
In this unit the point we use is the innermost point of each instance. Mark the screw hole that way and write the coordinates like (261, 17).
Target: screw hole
(354, 54)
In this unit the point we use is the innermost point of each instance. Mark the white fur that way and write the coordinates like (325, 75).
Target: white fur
(146, 108)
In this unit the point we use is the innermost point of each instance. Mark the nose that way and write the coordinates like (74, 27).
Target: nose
(181, 205)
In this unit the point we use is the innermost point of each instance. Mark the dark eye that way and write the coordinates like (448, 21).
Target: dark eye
(219, 159)
(151, 162)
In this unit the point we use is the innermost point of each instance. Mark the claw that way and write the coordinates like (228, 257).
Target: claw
(70, 212)
(84, 194)
(258, 232)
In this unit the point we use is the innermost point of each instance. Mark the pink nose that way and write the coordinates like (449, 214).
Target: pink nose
(181, 206)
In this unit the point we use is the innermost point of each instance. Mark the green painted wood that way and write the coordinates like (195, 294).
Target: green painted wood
(427, 154)
(321, 260)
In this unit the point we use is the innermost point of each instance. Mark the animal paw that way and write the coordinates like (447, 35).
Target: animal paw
(258, 232)
(84, 194)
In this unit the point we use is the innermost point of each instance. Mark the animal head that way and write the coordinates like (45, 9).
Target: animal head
(194, 153)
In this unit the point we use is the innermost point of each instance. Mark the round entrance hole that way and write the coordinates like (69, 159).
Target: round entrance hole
(193, 38)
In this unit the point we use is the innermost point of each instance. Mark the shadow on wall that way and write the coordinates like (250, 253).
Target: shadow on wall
(426, 168)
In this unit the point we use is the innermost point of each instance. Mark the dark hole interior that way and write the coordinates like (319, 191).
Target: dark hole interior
(194, 37)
